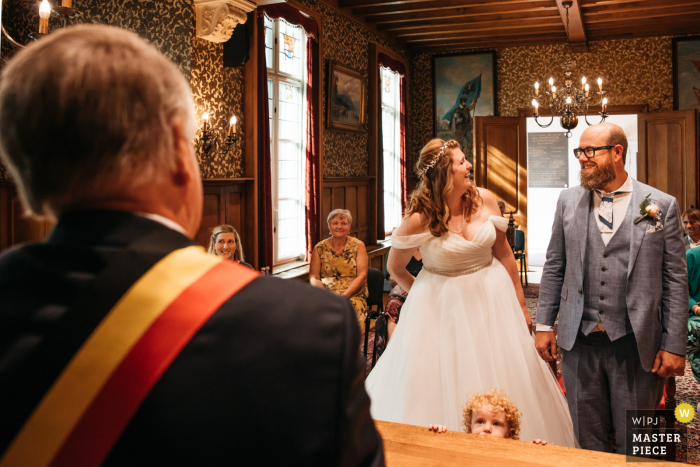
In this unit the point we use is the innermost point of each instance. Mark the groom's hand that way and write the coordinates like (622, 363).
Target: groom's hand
(668, 364)
(546, 345)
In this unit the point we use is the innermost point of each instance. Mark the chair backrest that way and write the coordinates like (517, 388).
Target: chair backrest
(519, 241)
(386, 262)
(375, 287)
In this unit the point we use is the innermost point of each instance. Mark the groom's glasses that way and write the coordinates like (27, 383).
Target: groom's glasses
(589, 152)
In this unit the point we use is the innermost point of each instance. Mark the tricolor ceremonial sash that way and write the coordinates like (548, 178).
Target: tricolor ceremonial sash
(85, 411)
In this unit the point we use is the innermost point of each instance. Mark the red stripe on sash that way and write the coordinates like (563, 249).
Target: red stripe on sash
(108, 415)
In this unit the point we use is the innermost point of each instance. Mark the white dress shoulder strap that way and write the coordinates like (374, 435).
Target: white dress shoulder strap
(501, 223)
(404, 242)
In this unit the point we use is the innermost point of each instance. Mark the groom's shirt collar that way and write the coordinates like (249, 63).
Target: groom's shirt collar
(621, 201)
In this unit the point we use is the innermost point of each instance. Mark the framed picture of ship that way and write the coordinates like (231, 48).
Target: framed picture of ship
(686, 73)
(346, 98)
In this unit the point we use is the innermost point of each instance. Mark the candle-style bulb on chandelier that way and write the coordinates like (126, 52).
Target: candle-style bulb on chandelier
(568, 101)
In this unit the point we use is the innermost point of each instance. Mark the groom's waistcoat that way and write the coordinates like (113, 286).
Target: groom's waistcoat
(605, 279)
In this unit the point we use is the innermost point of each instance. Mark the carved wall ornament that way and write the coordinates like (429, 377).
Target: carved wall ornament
(216, 19)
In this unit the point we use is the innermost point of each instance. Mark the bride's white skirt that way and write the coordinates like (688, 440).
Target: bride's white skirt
(459, 335)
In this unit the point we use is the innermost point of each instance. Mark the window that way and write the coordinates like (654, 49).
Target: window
(391, 129)
(285, 48)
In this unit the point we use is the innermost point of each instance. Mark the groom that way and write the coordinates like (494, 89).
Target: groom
(619, 288)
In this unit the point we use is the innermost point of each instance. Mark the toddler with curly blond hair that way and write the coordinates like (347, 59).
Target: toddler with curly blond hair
(490, 413)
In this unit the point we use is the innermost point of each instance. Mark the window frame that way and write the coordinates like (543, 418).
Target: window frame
(396, 110)
(276, 76)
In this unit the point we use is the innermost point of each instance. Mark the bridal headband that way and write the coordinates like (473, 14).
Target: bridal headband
(434, 160)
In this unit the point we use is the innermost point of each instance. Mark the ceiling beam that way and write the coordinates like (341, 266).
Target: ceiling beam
(504, 20)
(636, 33)
(362, 22)
(465, 5)
(577, 33)
(448, 9)
(689, 11)
(491, 44)
(596, 9)
(447, 35)
(383, 3)
(493, 29)
(648, 23)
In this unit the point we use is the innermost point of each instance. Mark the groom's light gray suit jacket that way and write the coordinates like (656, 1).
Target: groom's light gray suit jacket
(657, 280)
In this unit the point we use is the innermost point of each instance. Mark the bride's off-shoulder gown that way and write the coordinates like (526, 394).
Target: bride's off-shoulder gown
(462, 330)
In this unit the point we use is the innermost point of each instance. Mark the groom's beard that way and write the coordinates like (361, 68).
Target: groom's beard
(598, 176)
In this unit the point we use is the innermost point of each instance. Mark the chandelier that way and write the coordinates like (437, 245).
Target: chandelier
(569, 101)
(64, 12)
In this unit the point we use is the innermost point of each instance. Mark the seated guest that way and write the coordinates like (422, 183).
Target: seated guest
(137, 348)
(339, 263)
(502, 207)
(691, 226)
(693, 351)
(397, 296)
(226, 243)
(490, 414)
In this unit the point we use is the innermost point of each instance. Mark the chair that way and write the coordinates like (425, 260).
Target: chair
(387, 284)
(375, 288)
(519, 253)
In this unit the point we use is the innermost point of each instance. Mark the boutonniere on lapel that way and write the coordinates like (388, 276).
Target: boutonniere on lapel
(650, 210)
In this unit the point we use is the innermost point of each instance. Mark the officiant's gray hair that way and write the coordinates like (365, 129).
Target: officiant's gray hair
(89, 109)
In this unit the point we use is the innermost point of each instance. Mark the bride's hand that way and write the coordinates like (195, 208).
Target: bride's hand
(528, 320)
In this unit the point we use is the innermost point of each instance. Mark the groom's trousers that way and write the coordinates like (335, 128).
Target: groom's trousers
(603, 380)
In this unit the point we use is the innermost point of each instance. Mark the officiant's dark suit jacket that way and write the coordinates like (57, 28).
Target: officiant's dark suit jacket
(273, 378)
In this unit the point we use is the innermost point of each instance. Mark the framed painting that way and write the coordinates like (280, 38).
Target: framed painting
(346, 98)
(464, 86)
(686, 73)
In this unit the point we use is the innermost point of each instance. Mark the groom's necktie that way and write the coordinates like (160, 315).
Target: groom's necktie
(605, 211)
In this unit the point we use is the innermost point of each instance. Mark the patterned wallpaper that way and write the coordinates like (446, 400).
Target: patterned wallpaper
(218, 90)
(347, 42)
(221, 90)
(164, 23)
(635, 71)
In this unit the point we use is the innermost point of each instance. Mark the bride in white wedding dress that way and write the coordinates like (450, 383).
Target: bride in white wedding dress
(464, 326)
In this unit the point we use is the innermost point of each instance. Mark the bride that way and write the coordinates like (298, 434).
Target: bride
(464, 326)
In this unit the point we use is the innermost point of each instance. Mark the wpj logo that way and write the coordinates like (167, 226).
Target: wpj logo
(655, 434)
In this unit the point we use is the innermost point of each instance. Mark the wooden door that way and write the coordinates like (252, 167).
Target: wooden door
(668, 154)
(500, 164)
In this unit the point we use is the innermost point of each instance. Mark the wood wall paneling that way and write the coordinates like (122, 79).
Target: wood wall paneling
(349, 193)
(225, 203)
(15, 227)
(668, 154)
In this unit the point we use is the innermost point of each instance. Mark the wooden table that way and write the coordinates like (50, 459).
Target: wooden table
(409, 446)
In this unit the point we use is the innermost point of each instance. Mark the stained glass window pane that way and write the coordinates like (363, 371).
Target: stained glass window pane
(291, 49)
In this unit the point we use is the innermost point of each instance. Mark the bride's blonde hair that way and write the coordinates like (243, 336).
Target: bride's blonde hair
(430, 197)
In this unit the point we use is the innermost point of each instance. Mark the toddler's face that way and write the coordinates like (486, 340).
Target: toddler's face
(490, 421)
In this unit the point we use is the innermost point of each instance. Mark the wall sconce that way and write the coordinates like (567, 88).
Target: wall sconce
(210, 142)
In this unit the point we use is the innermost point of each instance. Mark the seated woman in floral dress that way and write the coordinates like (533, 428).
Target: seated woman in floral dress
(340, 263)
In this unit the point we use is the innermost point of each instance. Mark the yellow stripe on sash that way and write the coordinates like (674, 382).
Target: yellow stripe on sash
(71, 394)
